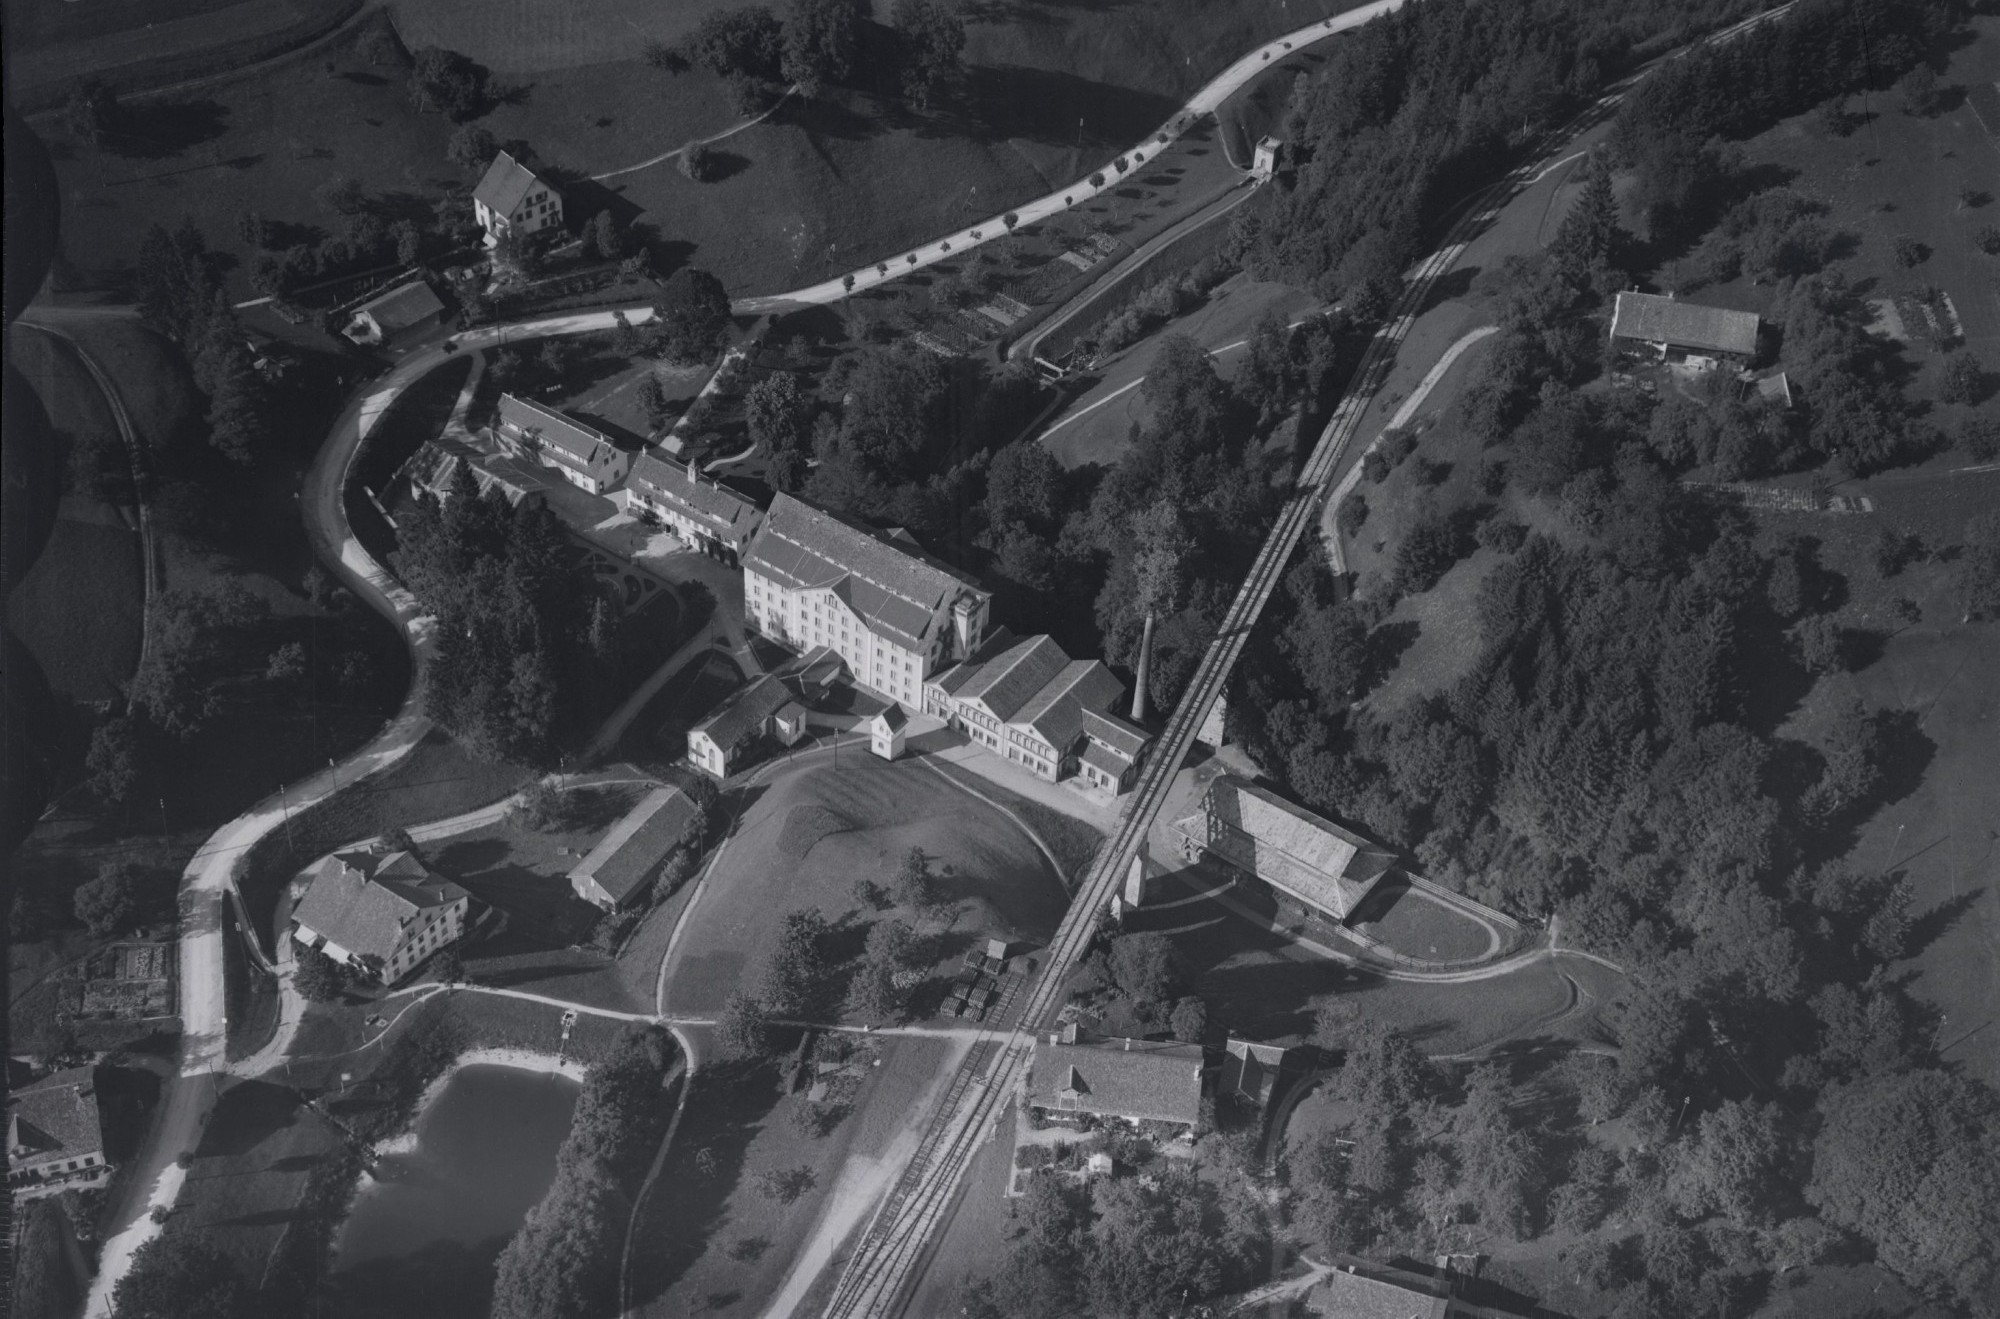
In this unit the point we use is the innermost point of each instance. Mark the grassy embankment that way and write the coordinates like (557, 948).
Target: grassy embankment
(1052, 93)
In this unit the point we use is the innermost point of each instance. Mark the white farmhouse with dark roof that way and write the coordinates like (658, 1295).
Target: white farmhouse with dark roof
(54, 1138)
(1689, 332)
(584, 457)
(512, 197)
(705, 513)
(893, 613)
(382, 913)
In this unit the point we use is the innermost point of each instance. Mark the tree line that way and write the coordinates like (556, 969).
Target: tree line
(1413, 111)
(519, 637)
(563, 1262)
(817, 43)
(1667, 130)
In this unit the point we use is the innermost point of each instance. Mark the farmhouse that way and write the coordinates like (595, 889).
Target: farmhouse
(707, 514)
(626, 859)
(1313, 861)
(511, 198)
(584, 457)
(54, 1139)
(1125, 1080)
(1674, 331)
(381, 913)
(720, 743)
(393, 317)
(1024, 698)
(893, 613)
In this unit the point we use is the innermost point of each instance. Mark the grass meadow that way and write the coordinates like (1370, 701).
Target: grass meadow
(807, 838)
(1051, 92)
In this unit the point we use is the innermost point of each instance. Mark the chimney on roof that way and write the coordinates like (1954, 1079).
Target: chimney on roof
(1139, 683)
(691, 480)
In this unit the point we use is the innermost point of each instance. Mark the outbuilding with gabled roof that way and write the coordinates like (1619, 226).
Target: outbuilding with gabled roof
(1129, 1080)
(627, 858)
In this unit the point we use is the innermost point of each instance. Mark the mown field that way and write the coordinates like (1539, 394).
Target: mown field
(1051, 92)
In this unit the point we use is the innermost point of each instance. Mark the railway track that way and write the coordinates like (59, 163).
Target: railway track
(878, 1275)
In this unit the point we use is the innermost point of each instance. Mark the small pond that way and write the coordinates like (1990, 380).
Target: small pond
(437, 1215)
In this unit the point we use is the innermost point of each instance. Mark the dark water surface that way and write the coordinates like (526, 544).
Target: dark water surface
(430, 1225)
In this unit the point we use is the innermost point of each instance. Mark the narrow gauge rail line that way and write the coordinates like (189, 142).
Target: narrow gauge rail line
(878, 1275)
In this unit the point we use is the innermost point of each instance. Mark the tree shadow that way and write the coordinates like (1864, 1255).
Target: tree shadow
(364, 78)
(168, 130)
(1933, 924)
(724, 165)
(1904, 753)
(248, 1114)
(1384, 649)
(1456, 284)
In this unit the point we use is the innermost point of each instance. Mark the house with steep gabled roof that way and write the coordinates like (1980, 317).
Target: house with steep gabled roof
(893, 613)
(1125, 1080)
(511, 198)
(887, 729)
(583, 456)
(701, 511)
(381, 913)
(629, 855)
(55, 1139)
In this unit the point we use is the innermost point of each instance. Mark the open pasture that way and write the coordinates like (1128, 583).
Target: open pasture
(532, 36)
(807, 837)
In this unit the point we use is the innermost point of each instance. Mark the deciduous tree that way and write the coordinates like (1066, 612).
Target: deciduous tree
(691, 317)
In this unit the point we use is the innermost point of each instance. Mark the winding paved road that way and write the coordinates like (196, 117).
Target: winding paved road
(878, 1271)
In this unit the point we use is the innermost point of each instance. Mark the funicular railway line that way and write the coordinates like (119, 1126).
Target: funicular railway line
(878, 1276)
